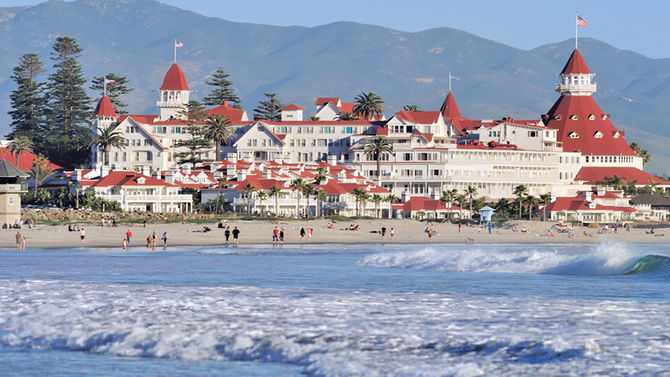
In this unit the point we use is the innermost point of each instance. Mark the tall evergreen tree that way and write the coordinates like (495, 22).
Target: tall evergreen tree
(269, 109)
(115, 90)
(197, 145)
(222, 89)
(67, 134)
(27, 100)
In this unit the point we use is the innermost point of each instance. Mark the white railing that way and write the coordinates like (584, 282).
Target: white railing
(148, 198)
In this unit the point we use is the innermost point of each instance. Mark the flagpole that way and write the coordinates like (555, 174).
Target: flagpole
(449, 82)
(576, 29)
(175, 51)
(104, 85)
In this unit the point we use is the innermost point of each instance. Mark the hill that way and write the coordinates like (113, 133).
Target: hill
(134, 38)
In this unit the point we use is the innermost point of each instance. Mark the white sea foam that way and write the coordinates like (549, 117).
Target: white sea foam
(608, 258)
(339, 333)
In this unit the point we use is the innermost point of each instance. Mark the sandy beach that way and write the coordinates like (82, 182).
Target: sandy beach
(260, 232)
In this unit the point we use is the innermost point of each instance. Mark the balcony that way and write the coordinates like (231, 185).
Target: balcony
(148, 198)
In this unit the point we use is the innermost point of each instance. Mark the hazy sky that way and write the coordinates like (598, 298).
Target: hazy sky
(638, 26)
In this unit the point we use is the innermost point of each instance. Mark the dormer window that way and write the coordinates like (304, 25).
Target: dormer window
(141, 180)
(598, 135)
(592, 117)
(557, 117)
(604, 116)
(574, 117)
(573, 135)
(616, 135)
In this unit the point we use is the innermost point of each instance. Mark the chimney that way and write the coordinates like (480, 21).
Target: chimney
(169, 177)
(104, 171)
(588, 196)
(146, 170)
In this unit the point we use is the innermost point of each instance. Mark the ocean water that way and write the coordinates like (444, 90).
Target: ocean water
(337, 310)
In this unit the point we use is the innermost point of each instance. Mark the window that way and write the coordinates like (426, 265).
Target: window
(574, 117)
(592, 117)
(598, 135)
(407, 157)
(532, 133)
(573, 135)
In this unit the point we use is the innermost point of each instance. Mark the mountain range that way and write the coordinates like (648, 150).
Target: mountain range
(342, 59)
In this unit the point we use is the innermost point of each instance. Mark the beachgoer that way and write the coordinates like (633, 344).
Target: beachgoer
(383, 231)
(82, 234)
(165, 239)
(102, 222)
(490, 226)
(220, 225)
(227, 234)
(281, 236)
(145, 223)
(392, 233)
(302, 232)
(275, 235)
(128, 235)
(124, 243)
(150, 242)
(18, 240)
(236, 236)
(154, 239)
(309, 233)
(459, 227)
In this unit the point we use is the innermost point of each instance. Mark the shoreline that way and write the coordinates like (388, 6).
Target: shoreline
(259, 234)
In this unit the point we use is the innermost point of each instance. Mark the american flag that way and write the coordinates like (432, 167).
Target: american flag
(582, 22)
(110, 81)
(179, 44)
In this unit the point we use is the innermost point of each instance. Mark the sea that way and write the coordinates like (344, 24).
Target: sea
(338, 310)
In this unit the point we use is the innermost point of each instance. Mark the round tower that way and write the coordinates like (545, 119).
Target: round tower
(576, 78)
(174, 94)
(104, 116)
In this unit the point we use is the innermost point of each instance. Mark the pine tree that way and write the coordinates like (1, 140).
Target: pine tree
(269, 109)
(114, 90)
(27, 100)
(222, 90)
(67, 134)
(194, 114)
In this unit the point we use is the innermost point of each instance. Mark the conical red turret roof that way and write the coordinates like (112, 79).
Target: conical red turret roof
(104, 108)
(449, 107)
(174, 79)
(575, 64)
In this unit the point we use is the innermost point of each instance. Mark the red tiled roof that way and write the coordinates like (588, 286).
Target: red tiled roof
(292, 107)
(561, 115)
(174, 79)
(427, 136)
(422, 203)
(346, 107)
(593, 174)
(324, 100)
(128, 178)
(146, 119)
(419, 117)
(575, 64)
(577, 203)
(25, 161)
(234, 114)
(104, 108)
(449, 107)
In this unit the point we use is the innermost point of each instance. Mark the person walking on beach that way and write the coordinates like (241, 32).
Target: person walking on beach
(128, 235)
(392, 233)
(124, 243)
(383, 231)
(150, 243)
(459, 226)
(275, 236)
(281, 236)
(154, 239)
(302, 232)
(19, 240)
(490, 226)
(236, 236)
(227, 234)
(82, 235)
(165, 239)
(309, 233)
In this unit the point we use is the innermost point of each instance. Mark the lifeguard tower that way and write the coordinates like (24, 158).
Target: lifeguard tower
(12, 185)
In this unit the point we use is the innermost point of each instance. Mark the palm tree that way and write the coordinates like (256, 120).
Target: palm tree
(532, 201)
(545, 199)
(107, 138)
(461, 198)
(347, 115)
(262, 195)
(375, 149)
(391, 198)
(320, 196)
(274, 191)
(520, 191)
(412, 108)
(39, 172)
(222, 182)
(307, 190)
(220, 130)
(471, 191)
(249, 189)
(321, 174)
(646, 157)
(358, 194)
(19, 145)
(368, 105)
(376, 198)
(297, 185)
